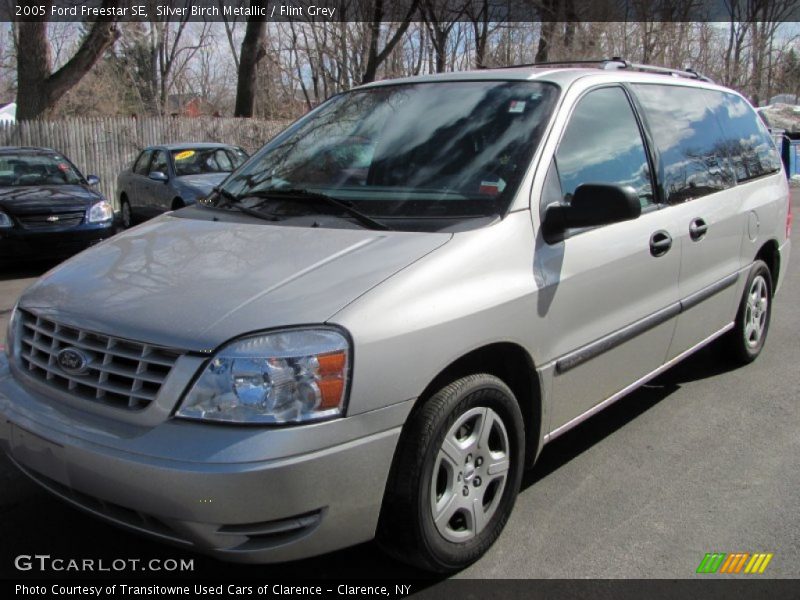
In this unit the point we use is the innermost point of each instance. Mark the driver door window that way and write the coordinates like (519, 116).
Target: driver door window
(160, 162)
(603, 144)
(141, 164)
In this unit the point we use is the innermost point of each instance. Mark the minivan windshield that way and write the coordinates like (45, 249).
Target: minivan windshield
(409, 155)
(37, 169)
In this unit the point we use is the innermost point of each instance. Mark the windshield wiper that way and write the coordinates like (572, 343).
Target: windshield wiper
(225, 194)
(302, 195)
(234, 201)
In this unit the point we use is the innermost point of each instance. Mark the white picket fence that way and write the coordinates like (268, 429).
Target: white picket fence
(106, 146)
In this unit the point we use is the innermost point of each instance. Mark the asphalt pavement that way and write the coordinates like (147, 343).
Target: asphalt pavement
(704, 459)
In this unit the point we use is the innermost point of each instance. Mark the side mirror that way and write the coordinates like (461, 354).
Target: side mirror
(592, 205)
(92, 179)
(158, 176)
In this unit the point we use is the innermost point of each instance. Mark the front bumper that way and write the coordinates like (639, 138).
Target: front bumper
(20, 243)
(221, 490)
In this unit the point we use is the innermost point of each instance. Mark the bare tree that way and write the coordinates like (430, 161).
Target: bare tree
(440, 16)
(376, 57)
(38, 87)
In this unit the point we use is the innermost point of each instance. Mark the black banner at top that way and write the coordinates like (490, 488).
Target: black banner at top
(494, 11)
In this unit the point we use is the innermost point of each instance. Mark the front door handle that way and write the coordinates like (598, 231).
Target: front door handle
(660, 243)
(698, 229)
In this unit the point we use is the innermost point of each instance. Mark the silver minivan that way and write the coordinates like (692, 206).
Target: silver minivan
(376, 323)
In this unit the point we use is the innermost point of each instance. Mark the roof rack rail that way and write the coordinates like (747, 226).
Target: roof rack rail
(615, 62)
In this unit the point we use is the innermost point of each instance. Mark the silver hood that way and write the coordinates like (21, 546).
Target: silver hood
(194, 284)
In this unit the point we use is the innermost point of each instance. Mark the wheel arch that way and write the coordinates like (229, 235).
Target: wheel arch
(771, 255)
(511, 363)
(177, 202)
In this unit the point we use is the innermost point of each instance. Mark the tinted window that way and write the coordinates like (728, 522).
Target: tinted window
(603, 144)
(746, 138)
(159, 162)
(140, 166)
(687, 134)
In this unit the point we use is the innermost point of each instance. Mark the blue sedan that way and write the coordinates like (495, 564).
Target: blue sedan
(172, 176)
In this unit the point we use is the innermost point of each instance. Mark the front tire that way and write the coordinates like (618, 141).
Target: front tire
(746, 340)
(456, 475)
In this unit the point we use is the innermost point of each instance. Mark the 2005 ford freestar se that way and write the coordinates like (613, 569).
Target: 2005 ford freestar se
(373, 325)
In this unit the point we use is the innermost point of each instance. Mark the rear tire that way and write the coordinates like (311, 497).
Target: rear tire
(127, 213)
(455, 476)
(746, 340)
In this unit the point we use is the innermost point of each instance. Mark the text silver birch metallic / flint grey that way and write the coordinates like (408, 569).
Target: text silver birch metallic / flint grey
(302, 362)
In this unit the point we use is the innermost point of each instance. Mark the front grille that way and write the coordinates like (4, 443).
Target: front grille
(117, 372)
(51, 221)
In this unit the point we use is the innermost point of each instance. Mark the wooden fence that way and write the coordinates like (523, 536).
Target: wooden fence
(106, 146)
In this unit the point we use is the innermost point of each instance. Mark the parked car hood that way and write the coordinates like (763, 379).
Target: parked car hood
(194, 284)
(203, 183)
(46, 199)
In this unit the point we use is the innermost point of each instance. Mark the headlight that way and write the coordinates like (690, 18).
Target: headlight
(101, 212)
(289, 376)
(5, 221)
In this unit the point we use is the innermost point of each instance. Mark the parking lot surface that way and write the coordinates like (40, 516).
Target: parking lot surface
(704, 459)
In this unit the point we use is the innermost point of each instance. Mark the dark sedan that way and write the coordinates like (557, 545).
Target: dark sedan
(171, 176)
(48, 209)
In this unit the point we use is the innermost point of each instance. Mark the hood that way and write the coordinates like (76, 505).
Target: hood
(203, 183)
(46, 199)
(193, 284)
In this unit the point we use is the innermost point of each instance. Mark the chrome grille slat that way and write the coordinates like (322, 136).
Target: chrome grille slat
(119, 372)
(96, 347)
(41, 222)
(76, 381)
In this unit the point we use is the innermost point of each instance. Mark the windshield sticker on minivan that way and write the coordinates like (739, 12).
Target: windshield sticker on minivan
(516, 106)
(492, 188)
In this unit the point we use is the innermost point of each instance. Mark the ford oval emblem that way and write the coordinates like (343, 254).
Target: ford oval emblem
(72, 361)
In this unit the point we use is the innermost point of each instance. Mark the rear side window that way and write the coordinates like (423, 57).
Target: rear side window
(238, 156)
(602, 144)
(687, 134)
(746, 138)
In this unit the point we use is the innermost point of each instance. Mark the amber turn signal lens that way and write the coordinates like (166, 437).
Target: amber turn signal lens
(332, 364)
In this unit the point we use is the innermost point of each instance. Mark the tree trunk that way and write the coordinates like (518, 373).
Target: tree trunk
(547, 18)
(543, 49)
(39, 89)
(253, 51)
(440, 47)
(376, 58)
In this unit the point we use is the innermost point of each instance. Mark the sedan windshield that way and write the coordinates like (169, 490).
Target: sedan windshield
(426, 151)
(37, 169)
(200, 161)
